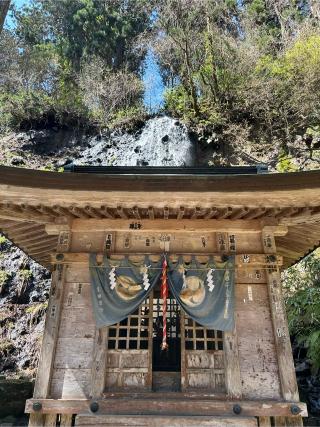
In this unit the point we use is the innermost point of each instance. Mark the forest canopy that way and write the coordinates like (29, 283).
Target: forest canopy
(248, 70)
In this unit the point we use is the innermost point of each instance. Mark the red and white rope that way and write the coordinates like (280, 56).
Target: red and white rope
(164, 296)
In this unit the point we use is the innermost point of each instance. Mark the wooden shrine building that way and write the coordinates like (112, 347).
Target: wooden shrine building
(117, 375)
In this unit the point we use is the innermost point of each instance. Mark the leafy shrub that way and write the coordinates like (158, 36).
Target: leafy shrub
(285, 164)
(4, 276)
(177, 101)
(302, 296)
(22, 107)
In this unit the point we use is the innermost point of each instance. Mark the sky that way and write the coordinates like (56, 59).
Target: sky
(154, 87)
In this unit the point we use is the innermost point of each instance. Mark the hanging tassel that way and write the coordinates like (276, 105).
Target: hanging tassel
(210, 279)
(164, 296)
(112, 278)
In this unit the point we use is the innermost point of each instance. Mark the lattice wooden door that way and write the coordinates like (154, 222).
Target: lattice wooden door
(129, 352)
(202, 359)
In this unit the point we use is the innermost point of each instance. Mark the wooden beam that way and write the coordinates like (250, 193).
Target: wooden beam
(181, 212)
(151, 212)
(196, 213)
(287, 212)
(45, 243)
(136, 404)
(212, 213)
(25, 217)
(305, 218)
(78, 212)
(240, 213)
(55, 229)
(33, 238)
(121, 212)
(26, 231)
(46, 210)
(60, 210)
(166, 213)
(47, 251)
(255, 213)
(136, 213)
(241, 261)
(187, 225)
(32, 210)
(224, 213)
(105, 212)
(92, 212)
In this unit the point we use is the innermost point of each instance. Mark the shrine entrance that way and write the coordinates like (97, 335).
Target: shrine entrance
(194, 359)
(166, 364)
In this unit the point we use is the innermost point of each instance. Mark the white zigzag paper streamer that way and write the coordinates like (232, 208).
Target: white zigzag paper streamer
(145, 278)
(210, 279)
(184, 280)
(112, 278)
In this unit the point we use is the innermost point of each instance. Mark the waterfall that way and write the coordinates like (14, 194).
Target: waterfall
(163, 141)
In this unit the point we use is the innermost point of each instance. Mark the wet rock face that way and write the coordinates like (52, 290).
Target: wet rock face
(24, 287)
(159, 143)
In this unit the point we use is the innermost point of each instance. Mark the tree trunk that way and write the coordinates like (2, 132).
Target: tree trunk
(193, 91)
(4, 7)
(315, 8)
(214, 86)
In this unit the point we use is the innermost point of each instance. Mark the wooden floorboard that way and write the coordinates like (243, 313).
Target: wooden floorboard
(163, 421)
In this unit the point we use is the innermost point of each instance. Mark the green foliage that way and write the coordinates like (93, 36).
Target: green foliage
(35, 309)
(25, 274)
(285, 163)
(297, 61)
(42, 57)
(3, 240)
(302, 296)
(178, 101)
(24, 107)
(254, 67)
(126, 115)
(4, 276)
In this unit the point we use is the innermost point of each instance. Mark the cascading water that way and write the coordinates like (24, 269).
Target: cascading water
(163, 141)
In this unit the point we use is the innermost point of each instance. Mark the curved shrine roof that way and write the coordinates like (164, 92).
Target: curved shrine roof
(29, 199)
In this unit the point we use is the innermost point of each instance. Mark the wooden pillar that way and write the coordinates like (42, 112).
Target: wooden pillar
(232, 366)
(43, 379)
(51, 330)
(98, 372)
(264, 422)
(287, 375)
(183, 350)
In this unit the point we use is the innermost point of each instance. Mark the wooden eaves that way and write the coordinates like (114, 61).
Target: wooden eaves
(30, 199)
